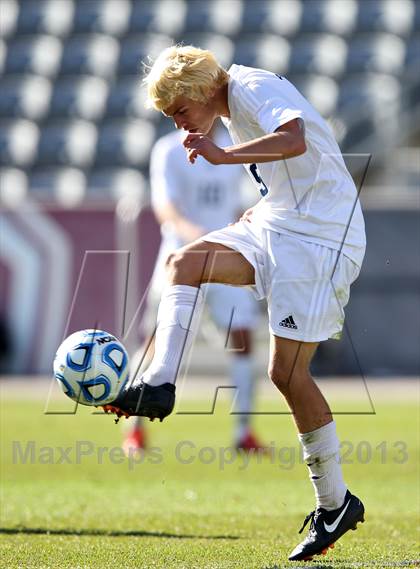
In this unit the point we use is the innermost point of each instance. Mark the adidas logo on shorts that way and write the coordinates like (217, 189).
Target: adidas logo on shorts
(288, 323)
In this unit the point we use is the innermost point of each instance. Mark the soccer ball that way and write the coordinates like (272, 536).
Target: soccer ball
(91, 367)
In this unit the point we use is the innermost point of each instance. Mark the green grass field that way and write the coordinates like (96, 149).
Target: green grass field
(192, 510)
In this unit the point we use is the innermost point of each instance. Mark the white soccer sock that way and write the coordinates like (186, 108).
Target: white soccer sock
(133, 423)
(321, 452)
(242, 376)
(177, 322)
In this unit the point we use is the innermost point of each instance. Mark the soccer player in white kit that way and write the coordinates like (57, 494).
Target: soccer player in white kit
(300, 247)
(188, 202)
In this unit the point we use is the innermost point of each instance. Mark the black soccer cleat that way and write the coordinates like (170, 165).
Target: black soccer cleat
(327, 526)
(145, 400)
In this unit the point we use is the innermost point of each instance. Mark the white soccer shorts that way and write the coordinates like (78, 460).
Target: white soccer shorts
(306, 285)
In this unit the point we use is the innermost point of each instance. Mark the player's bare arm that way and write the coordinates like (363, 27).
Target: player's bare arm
(287, 141)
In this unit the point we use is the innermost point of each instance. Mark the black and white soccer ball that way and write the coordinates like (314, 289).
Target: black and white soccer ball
(91, 367)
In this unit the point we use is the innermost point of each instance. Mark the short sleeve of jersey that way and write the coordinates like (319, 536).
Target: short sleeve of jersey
(165, 179)
(268, 100)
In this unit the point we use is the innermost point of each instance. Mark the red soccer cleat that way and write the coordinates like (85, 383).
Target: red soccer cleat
(135, 441)
(250, 443)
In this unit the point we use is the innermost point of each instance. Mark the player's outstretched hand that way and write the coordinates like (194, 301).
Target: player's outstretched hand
(198, 144)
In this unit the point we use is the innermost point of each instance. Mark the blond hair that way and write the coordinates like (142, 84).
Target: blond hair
(183, 70)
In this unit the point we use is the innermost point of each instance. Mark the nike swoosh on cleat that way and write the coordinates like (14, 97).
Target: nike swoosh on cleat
(332, 527)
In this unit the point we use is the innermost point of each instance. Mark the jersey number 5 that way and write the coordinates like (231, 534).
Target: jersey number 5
(253, 168)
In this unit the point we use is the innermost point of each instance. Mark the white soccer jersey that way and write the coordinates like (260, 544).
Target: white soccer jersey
(207, 195)
(311, 196)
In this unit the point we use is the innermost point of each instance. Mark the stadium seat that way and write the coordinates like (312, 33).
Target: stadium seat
(221, 46)
(13, 186)
(255, 16)
(355, 130)
(126, 99)
(164, 126)
(90, 54)
(371, 92)
(159, 16)
(39, 55)
(143, 16)
(102, 16)
(321, 92)
(344, 56)
(83, 97)
(412, 75)
(394, 16)
(416, 17)
(219, 16)
(412, 56)
(9, 10)
(71, 143)
(18, 142)
(116, 183)
(279, 16)
(263, 50)
(66, 186)
(329, 16)
(125, 143)
(284, 16)
(381, 53)
(136, 49)
(319, 53)
(26, 97)
(3, 51)
(53, 17)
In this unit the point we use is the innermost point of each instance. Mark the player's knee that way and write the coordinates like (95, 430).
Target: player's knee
(279, 376)
(284, 376)
(170, 260)
(179, 267)
(175, 262)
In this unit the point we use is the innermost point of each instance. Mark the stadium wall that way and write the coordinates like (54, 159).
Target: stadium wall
(63, 270)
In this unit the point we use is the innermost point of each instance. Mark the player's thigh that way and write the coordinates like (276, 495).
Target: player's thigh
(232, 308)
(211, 262)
